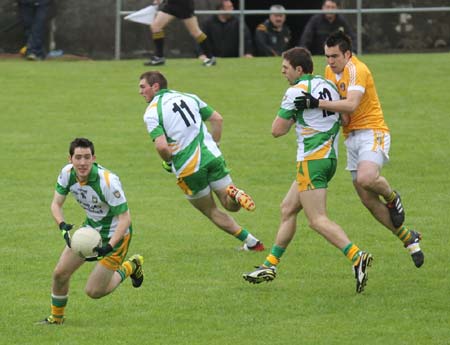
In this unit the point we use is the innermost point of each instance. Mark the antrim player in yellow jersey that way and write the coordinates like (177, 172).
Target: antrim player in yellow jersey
(367, 137)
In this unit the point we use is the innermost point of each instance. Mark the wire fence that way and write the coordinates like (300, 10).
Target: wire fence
(242, 13)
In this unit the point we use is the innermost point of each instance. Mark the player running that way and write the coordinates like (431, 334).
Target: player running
(99, 192)
(175, 122)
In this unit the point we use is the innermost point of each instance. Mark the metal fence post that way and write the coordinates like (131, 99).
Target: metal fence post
(241, 28)
(359, 27)
(117, 42)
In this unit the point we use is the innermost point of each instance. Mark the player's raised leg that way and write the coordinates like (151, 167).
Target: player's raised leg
(224, 221)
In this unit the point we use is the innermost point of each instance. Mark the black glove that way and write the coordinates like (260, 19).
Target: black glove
(167, 166)
(102, 251)
(65, 228)
(306, 102)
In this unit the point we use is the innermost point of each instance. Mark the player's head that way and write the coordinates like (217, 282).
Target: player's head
(150, 83)
(338, 50)
(83, 143)
(296, 62)
(82, 157)
(341, 40)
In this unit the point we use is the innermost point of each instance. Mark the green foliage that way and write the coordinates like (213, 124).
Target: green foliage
(193, 292)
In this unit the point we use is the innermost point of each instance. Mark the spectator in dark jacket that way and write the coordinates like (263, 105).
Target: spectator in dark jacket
(320, 26)
(34, 14)
(272, 37)
(223, 33)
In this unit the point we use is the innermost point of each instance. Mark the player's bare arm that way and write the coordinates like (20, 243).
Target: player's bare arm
(347, 105)
(163, 148)
(122, 226)
(57, 207)
(281, 126)
(216, 121)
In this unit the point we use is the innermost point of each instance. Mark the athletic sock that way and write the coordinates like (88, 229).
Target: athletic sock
(352, 252)
(246, 237)
(203, 41)
(274, 257)
(404, 234)
(241, 234)
(126, 269)
(158, 40)
(58, 305)
(390, 198)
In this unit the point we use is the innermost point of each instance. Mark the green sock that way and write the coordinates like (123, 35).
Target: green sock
(403, 234)
(275, 255)
(352, 252)
(241, 234)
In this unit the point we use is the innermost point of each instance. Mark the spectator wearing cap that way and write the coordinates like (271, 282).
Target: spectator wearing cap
(273, 35)
(321, 25)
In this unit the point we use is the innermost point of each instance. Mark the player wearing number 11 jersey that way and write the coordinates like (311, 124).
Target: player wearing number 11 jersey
(317, 139)
(176, 124)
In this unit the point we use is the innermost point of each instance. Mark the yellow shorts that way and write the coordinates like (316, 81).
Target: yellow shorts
(113, 261)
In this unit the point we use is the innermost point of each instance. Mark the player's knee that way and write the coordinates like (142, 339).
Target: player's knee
(60, 276)
(94, 293)
(231, 206)
(318, 223)
(365, 180)
(287, 210)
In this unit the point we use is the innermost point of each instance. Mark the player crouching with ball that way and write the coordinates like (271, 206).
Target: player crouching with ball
(99, 192)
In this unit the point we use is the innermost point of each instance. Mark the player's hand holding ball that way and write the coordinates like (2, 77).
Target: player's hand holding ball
(65, 228)
(102, 251)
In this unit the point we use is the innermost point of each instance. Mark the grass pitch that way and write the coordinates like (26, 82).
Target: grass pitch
(193, 292)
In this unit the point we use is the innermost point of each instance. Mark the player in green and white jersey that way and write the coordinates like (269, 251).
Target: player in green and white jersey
(99, 192)
(176, 123)
(317, 139)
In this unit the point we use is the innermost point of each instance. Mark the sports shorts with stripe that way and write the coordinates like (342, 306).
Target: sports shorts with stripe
(315, 174)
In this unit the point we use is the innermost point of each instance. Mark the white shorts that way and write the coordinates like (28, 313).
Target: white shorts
(367, 145)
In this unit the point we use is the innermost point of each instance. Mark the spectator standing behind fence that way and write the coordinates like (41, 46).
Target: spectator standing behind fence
(320, 26)
(184, 10)
(272, 36)
(33, 14)
(223, 33)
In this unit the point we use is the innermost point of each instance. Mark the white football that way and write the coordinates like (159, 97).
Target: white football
(84, 240)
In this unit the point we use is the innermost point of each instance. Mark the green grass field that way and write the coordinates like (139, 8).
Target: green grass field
(193, 291)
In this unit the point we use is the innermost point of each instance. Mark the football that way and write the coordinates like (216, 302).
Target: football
(84, 240)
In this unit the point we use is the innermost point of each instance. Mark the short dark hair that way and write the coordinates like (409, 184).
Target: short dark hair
(81, 142)
(340, 39)
(154, 77)
(219, 5)
(299, 56)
